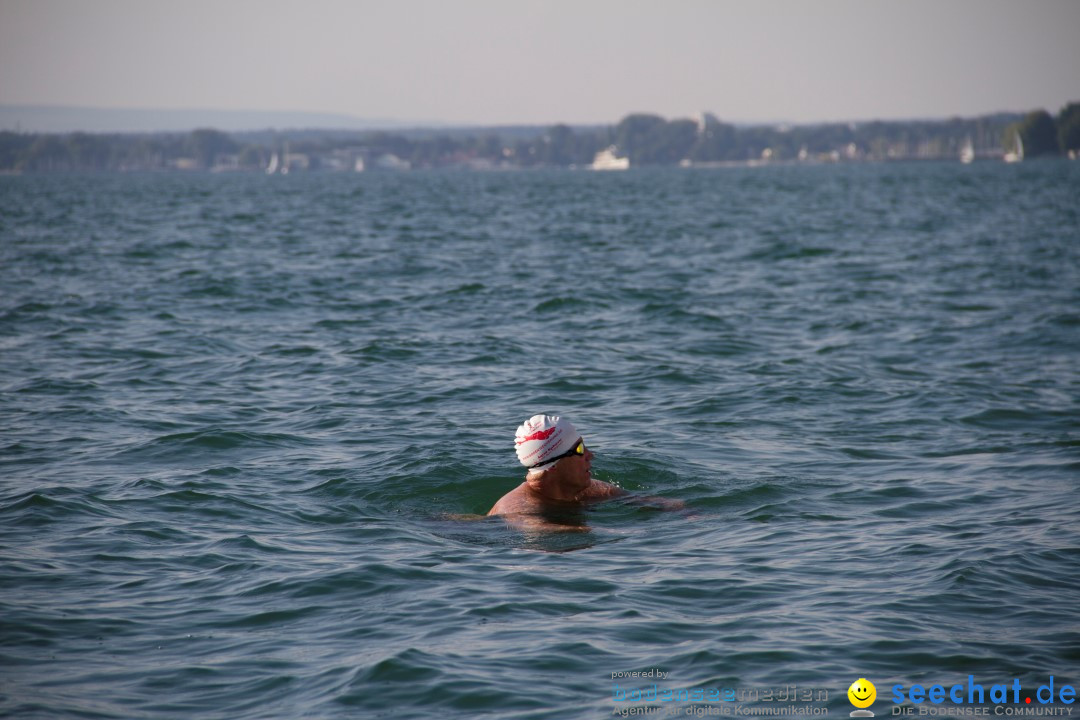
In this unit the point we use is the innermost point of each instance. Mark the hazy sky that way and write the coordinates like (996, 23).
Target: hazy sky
(544, 61)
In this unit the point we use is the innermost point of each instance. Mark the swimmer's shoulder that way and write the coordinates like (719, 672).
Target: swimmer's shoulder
(515, 501)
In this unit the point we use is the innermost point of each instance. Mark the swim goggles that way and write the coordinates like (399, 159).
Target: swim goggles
(578, 450)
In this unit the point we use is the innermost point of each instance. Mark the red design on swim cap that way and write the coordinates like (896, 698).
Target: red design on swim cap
(541, 435)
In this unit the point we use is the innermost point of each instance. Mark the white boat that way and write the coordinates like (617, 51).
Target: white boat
(1017, 153)
(967, 153)
(273, 166)
(607, 160)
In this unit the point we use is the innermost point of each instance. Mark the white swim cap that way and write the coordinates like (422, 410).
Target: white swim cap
(542, 437)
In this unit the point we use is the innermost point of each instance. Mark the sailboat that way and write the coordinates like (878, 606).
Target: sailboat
(273, 166)
(967, 153)
(1017, 153)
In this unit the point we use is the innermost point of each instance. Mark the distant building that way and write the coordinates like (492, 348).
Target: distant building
(346, 159)
(296, 162)
(390, 161)
(227, 163)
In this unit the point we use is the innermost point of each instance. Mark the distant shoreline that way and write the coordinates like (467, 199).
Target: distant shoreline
(637, 140)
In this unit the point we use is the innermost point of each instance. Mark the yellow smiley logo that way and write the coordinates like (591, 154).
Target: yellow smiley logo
(862, 693)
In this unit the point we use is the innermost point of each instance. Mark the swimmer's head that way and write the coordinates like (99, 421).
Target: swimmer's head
(543, 438)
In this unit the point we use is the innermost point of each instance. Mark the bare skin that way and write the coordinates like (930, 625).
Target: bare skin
(563, 486)
(560, 489)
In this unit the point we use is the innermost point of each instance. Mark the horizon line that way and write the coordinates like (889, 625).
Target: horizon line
(354, 123)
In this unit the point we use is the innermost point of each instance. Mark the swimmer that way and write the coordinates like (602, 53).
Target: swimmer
(558, 479)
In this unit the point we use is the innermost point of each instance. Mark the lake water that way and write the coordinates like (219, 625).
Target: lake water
(245, 420)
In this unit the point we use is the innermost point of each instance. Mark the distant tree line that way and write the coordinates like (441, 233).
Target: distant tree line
(646, 139)
(1041, 134)
(79, 151)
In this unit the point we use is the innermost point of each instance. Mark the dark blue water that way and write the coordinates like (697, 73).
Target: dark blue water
(246, 420)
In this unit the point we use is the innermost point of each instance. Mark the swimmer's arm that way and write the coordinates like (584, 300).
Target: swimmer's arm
(657, 503)
(535, 523)
(600, 490)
